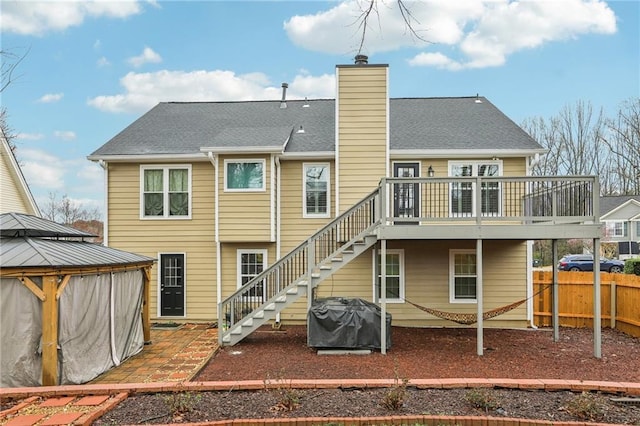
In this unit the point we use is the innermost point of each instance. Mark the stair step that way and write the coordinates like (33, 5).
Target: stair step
(226, 339)
(270, 307)
(326, 267)
(315, 275)
(337, 259)
(292, 290)
(303, 283)
(248, 323)
(281, 299)
(236, 331)
(259, 315)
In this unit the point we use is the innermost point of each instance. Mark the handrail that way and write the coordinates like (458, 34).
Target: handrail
(271, 282)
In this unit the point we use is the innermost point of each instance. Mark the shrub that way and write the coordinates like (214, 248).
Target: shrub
(180, 403)
(287, 397)
(483, 399)
(586, 406)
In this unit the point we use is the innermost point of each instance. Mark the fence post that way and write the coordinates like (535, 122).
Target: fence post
(613, 290)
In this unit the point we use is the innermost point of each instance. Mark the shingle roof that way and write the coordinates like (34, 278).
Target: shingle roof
(610, 202)
(415, 124)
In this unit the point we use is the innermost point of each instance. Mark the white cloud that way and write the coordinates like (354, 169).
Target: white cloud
(50, 98)
(81, 180)
(481, 32)
(39, 17)
(65, 135)
(148, 56)
(30, 136)
(103, 62)
(142, 91)
(42, 171)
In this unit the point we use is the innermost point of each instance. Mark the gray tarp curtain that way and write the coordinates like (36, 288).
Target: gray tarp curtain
(100, 325)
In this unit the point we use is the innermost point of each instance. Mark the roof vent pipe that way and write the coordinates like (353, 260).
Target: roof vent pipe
(283, 102)
(362, 59)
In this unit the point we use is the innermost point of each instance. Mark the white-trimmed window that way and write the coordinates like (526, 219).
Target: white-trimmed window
(394, 274)
(165, 192)
(315, 190)
(250, 264)
(462, 276)
(617, 229)
(462, 200)
(244, 175)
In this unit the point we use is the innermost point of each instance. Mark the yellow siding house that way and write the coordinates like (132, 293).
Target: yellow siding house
(255, 209)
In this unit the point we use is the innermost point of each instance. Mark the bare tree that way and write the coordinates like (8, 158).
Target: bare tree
(622, 137)
(67, 211)
(371, 7)
(9, 61)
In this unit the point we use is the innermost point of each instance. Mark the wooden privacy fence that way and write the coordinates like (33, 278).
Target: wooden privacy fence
(620, 300)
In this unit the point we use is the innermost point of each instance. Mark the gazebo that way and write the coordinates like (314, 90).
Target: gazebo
(69, 309)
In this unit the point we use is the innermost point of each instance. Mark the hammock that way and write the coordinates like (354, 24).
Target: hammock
(467, 318)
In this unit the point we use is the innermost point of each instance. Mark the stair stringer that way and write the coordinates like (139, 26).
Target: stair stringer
(290, 294)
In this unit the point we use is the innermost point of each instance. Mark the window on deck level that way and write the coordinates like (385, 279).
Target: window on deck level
(462, 193)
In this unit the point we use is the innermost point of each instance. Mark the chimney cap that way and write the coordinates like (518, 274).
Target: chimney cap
(362, 59)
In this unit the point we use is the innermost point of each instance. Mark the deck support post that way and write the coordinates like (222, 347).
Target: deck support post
(554, 290)
(597, 304)
(479, 299)
(383, 296)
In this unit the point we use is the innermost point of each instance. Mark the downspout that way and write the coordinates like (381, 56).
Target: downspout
(105, 222)
(214, 162)
(278, 218)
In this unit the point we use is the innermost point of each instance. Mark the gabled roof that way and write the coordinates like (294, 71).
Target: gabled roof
(308, 126)
(16, 177)
(611, 203)
(29, 242)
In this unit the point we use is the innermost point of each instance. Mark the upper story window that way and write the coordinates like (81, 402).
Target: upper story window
(617, 229)
(316, 190)
(244, 175)
(165, 192)
(463, 201)
(462, 276)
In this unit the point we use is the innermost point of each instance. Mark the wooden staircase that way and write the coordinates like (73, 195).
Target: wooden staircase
(299, 272)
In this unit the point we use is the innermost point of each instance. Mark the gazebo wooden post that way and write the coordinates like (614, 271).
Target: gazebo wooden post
(146, 324)
(50, 331)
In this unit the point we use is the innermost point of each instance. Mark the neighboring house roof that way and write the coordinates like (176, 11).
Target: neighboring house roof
(611, 203)
(28, 241)
(16, 195)
(308, 126)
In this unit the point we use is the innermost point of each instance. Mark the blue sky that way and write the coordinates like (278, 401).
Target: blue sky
(92, 68)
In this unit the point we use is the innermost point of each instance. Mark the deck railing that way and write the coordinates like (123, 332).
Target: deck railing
(558, 199)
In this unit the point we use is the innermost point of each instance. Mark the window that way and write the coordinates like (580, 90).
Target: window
(462, 193)
(462, 276)
(250, 264)
(246, 175)
(617, 229)
(316, 190)
(395, 276)
(166, 192)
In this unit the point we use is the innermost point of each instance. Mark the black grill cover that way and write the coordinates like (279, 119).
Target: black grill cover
(336, 322)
